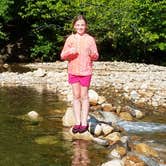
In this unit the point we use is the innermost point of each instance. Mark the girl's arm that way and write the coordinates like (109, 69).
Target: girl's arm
(93, 51)
(68, 52)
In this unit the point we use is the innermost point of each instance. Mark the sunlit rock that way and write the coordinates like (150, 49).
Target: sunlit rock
(101, 99)
(134, 95)
(132, 160)
(95, 128)
(115, 136)
(118, 152)
(39, 72)
(93, 97)
(106, 129)
(85, 136)
(107, 107)
(126, 116)
(68, 119)
(33, 115)
(145, 149)
(114, 162)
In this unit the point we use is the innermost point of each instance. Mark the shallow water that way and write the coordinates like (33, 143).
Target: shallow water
(17, 137)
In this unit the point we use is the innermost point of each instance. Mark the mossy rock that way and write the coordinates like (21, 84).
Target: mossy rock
(48, 140)
(29, 120)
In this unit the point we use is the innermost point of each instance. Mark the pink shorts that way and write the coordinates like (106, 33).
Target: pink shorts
(83, 80)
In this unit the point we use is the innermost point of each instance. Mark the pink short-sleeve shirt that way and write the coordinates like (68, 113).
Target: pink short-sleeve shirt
(87, 53)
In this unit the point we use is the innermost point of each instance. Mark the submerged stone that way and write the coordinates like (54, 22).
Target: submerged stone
(49, 140)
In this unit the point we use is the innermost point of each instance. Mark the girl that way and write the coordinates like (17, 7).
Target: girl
(80, 50)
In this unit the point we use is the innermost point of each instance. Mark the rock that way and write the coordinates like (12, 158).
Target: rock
(125, 116)
(101, 100)
(106, 129)
(96, 108)
(110, 117)
(132, 160)
(5, 65)
(145, 149)
(113, 137)
(39, 72)
(33, 115)
(114, 162)
(149, 160)
(49, 140)
(85, 136)
(134, 112)
(95, 128)
(68, 119)
(134, 95)
(118, 152)
(107, 107)
(100, 141)
(31, 118)
(93, 97)
(138, 114)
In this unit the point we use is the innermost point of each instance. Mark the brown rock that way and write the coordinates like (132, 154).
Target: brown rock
(101, 99)
(145, 149)
(95, 108)
(133, 161)
(125, 116)
(113, 137)
(108, 107)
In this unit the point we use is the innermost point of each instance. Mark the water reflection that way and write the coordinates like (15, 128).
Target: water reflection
(80, 153)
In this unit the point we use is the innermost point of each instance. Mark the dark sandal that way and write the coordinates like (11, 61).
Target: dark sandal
(82, 129)
(76, 128)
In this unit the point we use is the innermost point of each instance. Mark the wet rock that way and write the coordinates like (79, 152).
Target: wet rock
(100, 141)
(48, 140)
(31, 118)
(132, 160)
(33, 115)
(148, 160)
(110, 117)
(145, 149)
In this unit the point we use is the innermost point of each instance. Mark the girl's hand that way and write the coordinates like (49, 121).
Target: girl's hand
(73, 54)
(73, 51)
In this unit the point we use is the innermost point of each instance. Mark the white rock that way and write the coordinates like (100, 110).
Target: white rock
(93, 96)
(114, 162)
(33, 115)
(107, 129)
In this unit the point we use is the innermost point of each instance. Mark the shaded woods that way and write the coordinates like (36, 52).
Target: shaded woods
(125, 30)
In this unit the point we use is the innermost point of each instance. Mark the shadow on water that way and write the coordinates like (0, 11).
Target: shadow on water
(17, 138)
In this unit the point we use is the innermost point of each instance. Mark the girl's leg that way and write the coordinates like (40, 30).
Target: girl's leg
(76, 89)
(85, 105)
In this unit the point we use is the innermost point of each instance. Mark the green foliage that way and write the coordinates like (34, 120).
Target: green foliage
(131, 30)
(4, 15)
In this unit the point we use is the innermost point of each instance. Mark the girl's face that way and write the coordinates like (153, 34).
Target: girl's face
(80, 26)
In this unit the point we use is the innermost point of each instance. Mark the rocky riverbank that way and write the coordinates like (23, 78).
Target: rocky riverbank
(141, 84)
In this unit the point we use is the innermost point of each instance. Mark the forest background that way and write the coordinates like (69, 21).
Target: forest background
(125, 30)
